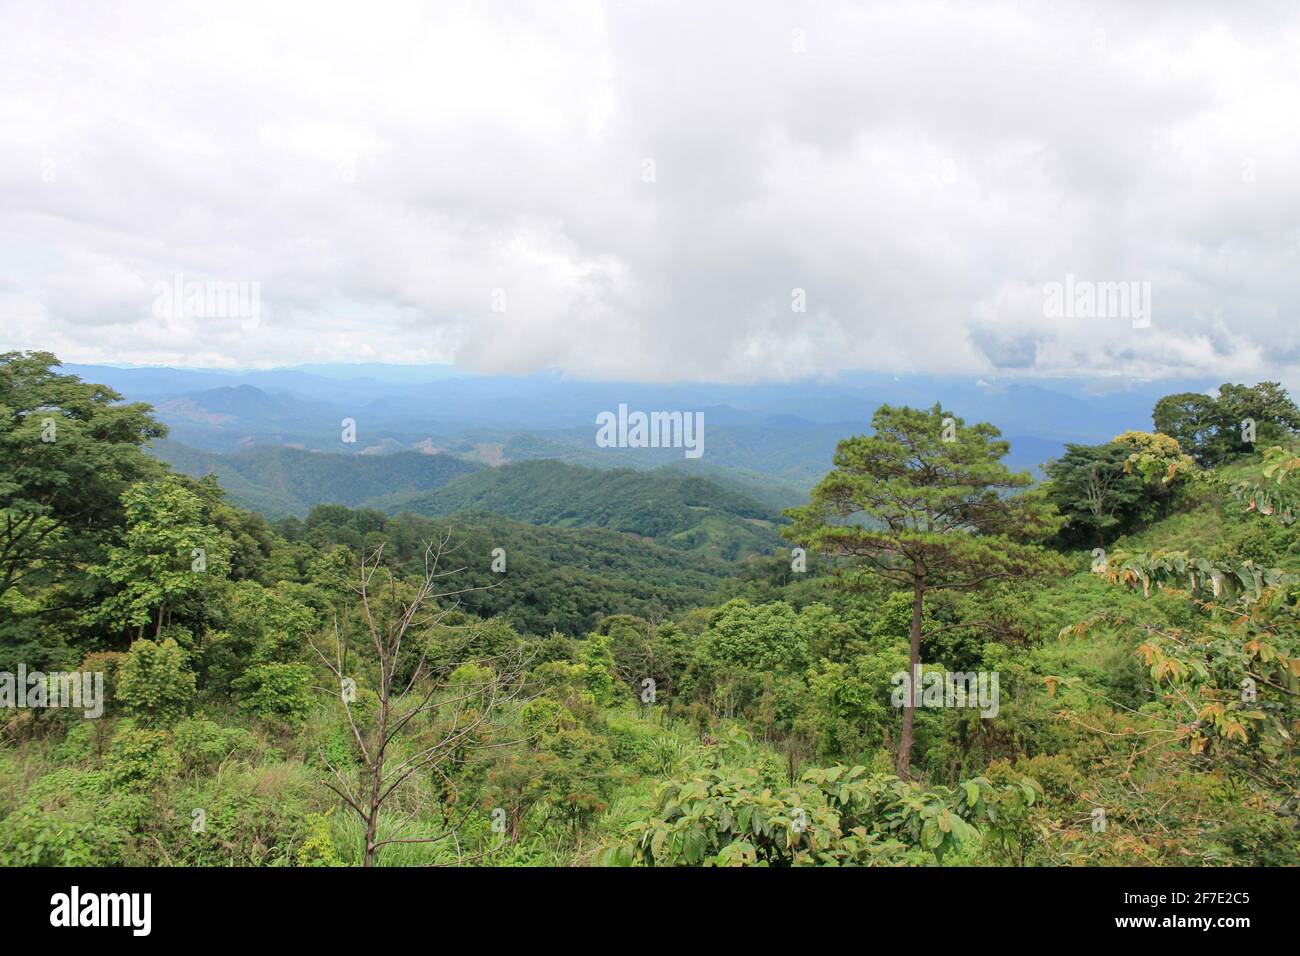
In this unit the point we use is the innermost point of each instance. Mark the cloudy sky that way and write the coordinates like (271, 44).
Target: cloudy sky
(631, 190)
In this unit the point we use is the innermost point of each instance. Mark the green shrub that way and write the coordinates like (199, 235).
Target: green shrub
(334, 747)
(318, 847)
(252, 816)
(596, 662)
(629, 742)
(279, 692)
(78, 745)
(153, 683)
(539, 716)
(835, 816)
(106, 663)
(62, 822)
(202, 745)
(140, 759)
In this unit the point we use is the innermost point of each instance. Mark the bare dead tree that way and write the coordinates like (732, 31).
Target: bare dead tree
(423, 721)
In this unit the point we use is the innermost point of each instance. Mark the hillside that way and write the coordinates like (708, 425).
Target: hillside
(278, 482)
(680, 510)
(1120, 643)
(777, 494)
(564, 579)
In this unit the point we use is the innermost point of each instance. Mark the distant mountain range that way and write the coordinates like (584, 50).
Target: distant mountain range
(436, 441)
(785, 433)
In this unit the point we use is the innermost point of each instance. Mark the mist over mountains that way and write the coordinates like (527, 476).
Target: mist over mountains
(779, 432)
(434, 440)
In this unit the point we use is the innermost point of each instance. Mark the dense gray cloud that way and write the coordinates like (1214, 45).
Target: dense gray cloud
(637, 190)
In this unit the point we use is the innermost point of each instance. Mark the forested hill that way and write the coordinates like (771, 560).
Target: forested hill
(680, 510)
(279, 482)
(1126, 635)
(549, 579)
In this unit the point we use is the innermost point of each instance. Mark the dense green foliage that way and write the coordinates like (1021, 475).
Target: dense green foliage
(554, 578)
(1210, 428)
(1097, 495)
(279, 482)
(835, 817)
(597, 698)
(70, 450)
(680, 510)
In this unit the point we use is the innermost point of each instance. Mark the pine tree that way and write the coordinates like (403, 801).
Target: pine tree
(926, 503)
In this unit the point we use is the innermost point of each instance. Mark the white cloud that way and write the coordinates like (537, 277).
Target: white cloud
(920, 170)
